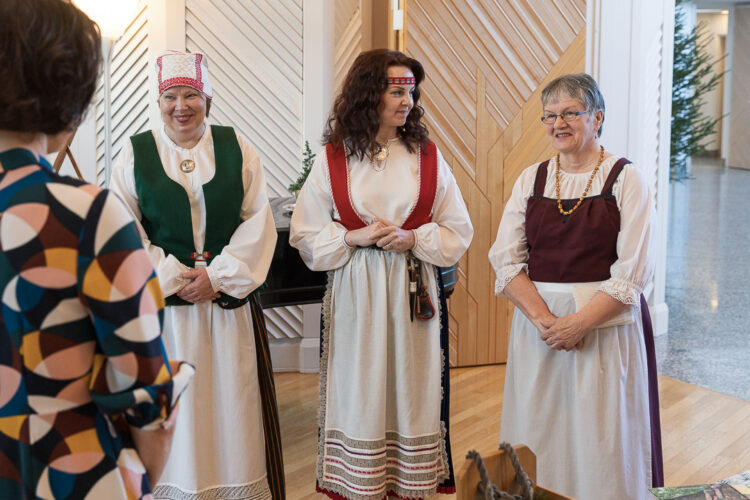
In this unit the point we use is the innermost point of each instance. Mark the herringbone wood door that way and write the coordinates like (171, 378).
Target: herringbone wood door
(486, 63)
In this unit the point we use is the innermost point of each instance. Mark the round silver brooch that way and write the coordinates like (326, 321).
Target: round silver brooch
(187, 166)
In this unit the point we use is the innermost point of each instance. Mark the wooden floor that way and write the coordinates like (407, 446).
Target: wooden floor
(706, 434)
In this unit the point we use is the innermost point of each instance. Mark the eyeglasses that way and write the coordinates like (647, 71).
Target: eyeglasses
(567, 116)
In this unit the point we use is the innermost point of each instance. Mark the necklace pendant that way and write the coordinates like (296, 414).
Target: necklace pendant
(187, 166)
(381, 155)
(378, 166)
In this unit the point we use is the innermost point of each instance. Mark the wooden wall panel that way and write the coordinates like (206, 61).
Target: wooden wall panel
(486, 63)
(347, 38)
(254, 49)
(739, 146)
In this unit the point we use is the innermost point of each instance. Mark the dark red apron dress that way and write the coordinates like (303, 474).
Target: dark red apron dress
(580, 248)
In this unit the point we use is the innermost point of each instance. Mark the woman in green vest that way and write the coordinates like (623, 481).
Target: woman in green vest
(198, 192)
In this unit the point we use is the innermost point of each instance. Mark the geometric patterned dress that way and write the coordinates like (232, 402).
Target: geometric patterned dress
(81, 356)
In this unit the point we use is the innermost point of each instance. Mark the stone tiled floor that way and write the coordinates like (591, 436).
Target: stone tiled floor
(708, 280)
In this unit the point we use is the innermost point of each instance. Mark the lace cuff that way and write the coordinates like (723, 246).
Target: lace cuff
(506, 274)
(622, 291)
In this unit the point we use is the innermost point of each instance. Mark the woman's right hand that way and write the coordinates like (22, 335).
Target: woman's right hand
(365, 236)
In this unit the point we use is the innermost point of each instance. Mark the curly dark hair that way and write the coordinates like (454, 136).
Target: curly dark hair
(355, 117)
(50, 53)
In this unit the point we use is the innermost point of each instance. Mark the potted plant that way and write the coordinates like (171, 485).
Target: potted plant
(307, 161)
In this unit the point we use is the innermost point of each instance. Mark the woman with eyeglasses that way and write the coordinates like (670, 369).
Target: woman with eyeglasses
(379, 211)
(574, 254)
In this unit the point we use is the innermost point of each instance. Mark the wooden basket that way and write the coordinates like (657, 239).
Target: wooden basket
(501, 472)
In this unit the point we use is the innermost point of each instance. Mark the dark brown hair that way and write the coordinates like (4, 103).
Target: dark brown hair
(50, 54)
(355, 119)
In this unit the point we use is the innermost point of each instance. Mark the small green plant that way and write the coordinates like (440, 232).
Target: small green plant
(694, 74)
(307, 162)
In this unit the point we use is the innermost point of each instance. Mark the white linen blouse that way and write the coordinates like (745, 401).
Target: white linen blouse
(389, 194)
(243, 264)
(634, 267)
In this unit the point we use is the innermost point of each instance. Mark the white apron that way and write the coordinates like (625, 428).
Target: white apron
(380, 383)
(598, 392)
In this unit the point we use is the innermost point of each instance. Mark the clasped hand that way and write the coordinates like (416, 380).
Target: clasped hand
(383, 234)
(564, 333)
(199, 288)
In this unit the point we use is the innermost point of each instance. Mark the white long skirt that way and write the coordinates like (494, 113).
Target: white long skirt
(219, 446)
(584, 413)
(380, 384)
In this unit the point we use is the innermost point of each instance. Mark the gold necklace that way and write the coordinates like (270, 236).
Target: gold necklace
(382, 155)
(585, 191)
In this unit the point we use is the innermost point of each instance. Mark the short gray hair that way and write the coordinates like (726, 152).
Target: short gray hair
(579, 86)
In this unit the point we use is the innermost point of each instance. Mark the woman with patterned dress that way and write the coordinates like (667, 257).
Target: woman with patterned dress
(87, 396)
(574, 253)
(198, 194)
(379, 211)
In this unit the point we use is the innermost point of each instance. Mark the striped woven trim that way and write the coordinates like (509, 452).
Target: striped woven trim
(255, 491)
(410, 467)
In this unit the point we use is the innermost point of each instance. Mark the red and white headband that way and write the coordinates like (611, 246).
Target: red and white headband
(401, 80)
(175, 68)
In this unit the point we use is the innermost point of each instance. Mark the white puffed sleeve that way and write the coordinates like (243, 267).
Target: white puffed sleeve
(243, 264)
(510, 252)
(445, 239)
(168, 268)
(313, 232)
(635, 262)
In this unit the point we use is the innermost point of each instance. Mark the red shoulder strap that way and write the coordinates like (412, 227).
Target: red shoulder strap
(427, 187)
(339, 176)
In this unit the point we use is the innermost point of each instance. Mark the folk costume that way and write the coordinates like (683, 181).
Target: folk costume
(384, 391)
(81, 358)
(207, 207)
(590, 415)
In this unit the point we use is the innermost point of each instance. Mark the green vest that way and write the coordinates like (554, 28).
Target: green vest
(165, 207)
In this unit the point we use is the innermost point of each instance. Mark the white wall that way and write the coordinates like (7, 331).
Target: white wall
(716, 26)
(272, 68)
(629, 53)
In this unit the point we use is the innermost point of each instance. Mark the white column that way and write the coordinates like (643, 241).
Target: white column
(727, 105)
(83, 148)
(302, 354)
(166, 31)
(317, 36)
(629, 53)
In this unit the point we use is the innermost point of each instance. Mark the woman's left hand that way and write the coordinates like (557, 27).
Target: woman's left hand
(393, 238)
(199, 289)
(565, 333)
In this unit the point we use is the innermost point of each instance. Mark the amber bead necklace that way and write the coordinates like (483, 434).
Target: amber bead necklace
(585, 191)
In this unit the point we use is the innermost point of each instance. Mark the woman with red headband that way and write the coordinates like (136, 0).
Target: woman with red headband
(379, 211)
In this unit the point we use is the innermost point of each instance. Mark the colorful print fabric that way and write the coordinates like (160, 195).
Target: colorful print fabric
(81, 355)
